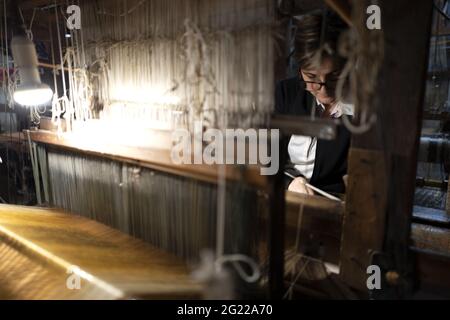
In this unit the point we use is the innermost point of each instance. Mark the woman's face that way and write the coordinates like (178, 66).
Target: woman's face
(325, 73)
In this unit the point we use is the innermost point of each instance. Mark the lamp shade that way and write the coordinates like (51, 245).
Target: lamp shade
(31, 91)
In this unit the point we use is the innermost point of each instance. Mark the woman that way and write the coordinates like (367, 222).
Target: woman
(321, 163)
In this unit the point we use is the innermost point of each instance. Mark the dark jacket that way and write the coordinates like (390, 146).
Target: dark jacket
(331, 155)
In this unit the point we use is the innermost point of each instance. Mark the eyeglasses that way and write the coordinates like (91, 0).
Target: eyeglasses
(313, 85)
(318, 85)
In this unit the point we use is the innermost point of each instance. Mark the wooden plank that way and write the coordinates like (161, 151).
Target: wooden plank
(15, 137)
(113, 265)
(363, 223)
(430, 238)
(321, 225)
(153, 158)
(382, 186)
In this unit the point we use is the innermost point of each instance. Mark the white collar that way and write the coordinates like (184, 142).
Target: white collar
(338, 109)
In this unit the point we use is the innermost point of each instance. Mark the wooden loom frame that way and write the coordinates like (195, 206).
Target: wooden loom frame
(373, 207)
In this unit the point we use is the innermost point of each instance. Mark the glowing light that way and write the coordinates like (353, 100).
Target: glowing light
(33, 95)
(103, 135)
(31, 91)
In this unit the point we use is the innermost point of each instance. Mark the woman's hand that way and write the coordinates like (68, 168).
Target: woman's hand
(298, 185)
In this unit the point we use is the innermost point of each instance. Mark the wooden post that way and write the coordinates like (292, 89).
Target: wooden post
(382, 162)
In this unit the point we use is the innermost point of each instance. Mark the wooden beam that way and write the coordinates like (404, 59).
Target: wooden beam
(382, 163)
(363, 224)
(43, 244)
(342, 8)
(155, 158)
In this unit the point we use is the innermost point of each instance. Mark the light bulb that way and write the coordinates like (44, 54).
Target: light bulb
(31, 91)
(33, 95)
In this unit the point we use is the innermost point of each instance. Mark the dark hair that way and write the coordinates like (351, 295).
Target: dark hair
(316, 31)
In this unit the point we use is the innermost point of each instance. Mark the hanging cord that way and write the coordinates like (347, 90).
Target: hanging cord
(236, 259)
(75, 101)
(60, 52)
(28, 31)
(52, 48)
(58, 107)
(61, 105)
(363, 49)
(83, 52)
(72, 111)
(221, 257)
(84, 92)
(81, 90)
